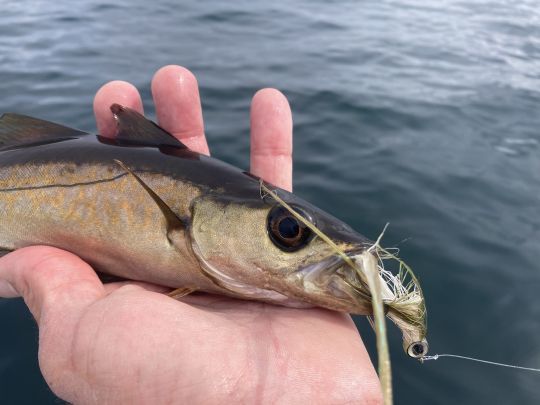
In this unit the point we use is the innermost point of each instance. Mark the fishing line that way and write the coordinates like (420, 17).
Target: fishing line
(493, 363)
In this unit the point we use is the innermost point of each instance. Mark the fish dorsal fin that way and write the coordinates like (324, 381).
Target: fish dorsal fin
(18, 131)
(135, 129)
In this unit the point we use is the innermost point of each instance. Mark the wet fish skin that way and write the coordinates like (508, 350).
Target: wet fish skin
(67, 190)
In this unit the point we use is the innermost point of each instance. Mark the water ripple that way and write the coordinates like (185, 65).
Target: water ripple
(423, 114)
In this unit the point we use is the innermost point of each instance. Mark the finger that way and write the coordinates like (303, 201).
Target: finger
(178, 106)
(120, 92)
(50, 280)
(271, 138)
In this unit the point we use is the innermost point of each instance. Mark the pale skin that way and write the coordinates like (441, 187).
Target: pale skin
(130, 343)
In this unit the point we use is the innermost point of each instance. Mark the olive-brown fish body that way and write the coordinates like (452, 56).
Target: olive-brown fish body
(144, 207)
(74, 195)
(99, 212)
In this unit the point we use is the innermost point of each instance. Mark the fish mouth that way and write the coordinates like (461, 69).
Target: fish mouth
(335, 284)
(332, 283)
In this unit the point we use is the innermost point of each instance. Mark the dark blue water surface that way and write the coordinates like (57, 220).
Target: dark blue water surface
(424, 114)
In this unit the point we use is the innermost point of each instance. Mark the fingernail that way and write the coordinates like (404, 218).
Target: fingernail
(7, 290)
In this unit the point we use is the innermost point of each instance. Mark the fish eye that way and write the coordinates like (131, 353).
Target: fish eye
(287, 232)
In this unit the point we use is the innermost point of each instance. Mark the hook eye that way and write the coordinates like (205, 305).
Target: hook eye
(417, 350)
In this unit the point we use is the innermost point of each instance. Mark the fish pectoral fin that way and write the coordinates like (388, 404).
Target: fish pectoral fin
(18, 131)
(181, 292)
(134, 129)
(173, 222)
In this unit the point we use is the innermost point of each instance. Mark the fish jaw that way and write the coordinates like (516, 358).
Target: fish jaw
(335, 284)
(332, 284)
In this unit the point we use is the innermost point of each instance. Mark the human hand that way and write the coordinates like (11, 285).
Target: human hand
(129, 343)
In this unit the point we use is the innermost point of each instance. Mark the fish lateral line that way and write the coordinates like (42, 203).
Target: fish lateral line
(60, 185)
(77, 184)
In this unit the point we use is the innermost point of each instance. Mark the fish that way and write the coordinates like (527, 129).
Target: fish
(143, 206)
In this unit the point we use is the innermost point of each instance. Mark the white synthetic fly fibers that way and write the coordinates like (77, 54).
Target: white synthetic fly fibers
(400, 293)
(395, 288)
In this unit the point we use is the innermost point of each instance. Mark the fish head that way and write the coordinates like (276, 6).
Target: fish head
(257, 249)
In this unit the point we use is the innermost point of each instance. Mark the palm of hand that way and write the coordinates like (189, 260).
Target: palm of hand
(213, 350)
(128, 343)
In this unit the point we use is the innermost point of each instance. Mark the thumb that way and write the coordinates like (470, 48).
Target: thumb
(58, 288)
(50, 280)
